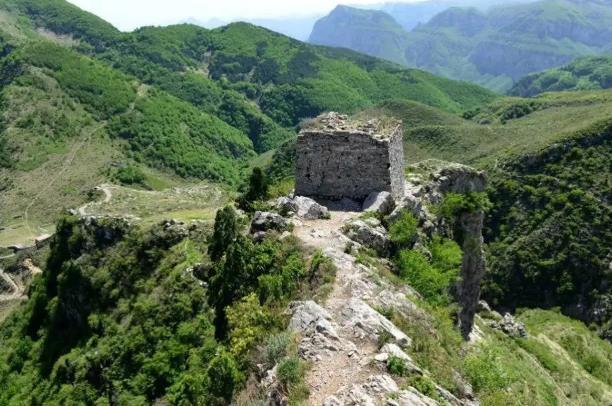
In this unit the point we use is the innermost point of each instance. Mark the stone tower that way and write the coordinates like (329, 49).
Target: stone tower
(338, 158)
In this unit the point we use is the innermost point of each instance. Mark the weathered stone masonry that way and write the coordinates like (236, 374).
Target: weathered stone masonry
(338, 158)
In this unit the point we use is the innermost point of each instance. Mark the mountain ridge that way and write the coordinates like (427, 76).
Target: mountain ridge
(494, 48)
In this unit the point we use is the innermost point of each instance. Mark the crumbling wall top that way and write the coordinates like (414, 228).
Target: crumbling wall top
(336, 123)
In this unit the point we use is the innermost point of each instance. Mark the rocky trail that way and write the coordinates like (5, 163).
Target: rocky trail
(341, 337)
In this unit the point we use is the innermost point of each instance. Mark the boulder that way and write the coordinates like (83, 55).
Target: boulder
(309, 209)
(368, 323)
(509, 326)
(265, 221)
(369, 233)
(303, 207)
(379, 202)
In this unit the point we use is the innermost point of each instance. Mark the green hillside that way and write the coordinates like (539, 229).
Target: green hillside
(582, 74)
(180, 101)
(495, 48)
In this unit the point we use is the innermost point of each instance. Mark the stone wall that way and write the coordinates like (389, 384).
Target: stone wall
(342, 159)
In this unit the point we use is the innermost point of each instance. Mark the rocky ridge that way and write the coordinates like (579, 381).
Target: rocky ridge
(346, 339)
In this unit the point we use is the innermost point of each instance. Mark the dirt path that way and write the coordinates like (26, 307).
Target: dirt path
(16, 290)
(341, 369)
(108, 196)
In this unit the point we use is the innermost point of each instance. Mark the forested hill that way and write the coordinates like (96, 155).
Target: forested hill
(182, 100)
(582, 74)
(493, 48)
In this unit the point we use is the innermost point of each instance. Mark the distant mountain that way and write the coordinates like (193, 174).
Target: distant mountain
(295, 27)
(494, 48)
(582, 74)
(409, 15)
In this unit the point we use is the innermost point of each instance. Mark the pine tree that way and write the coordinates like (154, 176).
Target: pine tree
(225, 232)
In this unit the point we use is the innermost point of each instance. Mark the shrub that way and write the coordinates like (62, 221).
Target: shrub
(454, 204)
(290, 371)
(425, 385)
(130, 175)
(276, 348)
(403, 231)
(430, 282)
(223, 376)
(397, 366)
(257, 190)
(248, 322)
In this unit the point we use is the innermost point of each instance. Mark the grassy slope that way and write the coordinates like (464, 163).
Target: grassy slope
(65, 121)
(582, 74)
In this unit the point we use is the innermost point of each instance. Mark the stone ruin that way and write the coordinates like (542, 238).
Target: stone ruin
(341, 158)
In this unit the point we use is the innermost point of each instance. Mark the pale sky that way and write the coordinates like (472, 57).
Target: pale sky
(130, 14)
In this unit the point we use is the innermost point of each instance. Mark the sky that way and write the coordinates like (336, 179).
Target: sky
(130, 14)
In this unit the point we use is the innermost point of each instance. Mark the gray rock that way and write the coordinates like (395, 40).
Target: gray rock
(379, 202)
(309, 209)
(265, 221)
(286, 205)
(483, 306)
(509, 326)
(318, 331)
(411, 397)
(369, 233)
(368, 323)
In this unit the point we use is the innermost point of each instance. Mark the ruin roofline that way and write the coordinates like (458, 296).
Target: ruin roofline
(333, 123)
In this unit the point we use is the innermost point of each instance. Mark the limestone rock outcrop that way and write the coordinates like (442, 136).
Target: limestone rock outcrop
(379, 202)
(265, 221)
(369, 233)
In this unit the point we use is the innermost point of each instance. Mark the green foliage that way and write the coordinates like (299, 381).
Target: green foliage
(425, 385)
(587, 73)
(223, 376)
(168, 133)
(225, 232)
(454, 204)
(548, 230)
(432, 280)
(104, 91)
(486, 370)
(257, 190)
(397, 366)
(249, 323)
(130, 175)
(403, 231)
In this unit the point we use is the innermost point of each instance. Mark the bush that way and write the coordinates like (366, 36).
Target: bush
(403, 231)
(224, 377)
(225, 232)
(429, 281)
(397, 366)
(290, 371)
(130, 175)
(257, 190)
(276, 348)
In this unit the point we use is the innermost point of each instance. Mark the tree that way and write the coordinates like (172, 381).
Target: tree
(225, 232)
(258, 189)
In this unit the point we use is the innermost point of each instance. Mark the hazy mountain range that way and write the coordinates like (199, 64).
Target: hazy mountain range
(494, 48)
